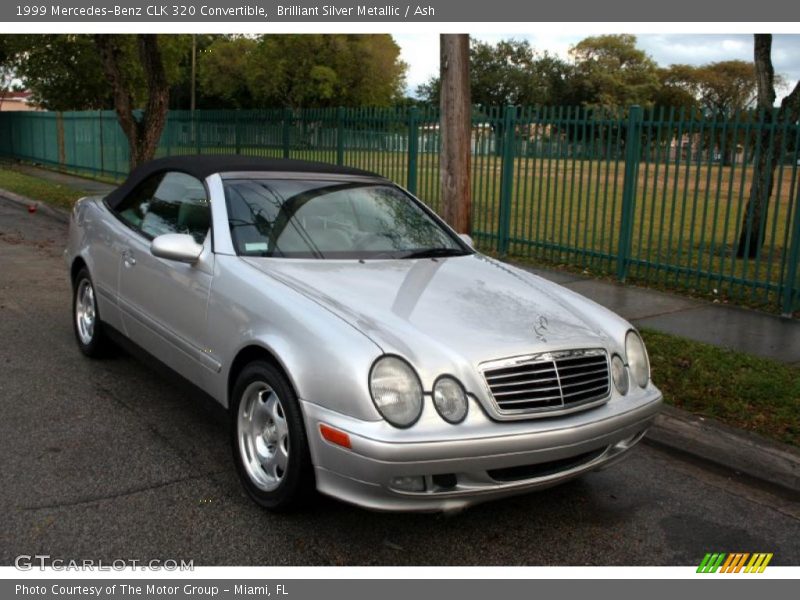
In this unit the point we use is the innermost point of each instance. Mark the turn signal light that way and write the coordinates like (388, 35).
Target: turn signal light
(334, 436)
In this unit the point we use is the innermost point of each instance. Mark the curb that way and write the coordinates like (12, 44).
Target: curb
(51, 211)
(733, 449)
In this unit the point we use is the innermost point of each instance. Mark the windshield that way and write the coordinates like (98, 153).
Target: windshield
(332, 219)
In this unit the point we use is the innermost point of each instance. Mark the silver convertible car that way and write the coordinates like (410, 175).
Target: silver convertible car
(361, 346)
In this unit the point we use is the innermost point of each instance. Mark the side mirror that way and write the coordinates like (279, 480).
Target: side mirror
(176, 246)
(466, 238)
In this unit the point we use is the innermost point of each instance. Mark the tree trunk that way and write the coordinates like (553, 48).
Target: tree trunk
(753, 228)
(728, 140)
(143, 134)
(456, 124)
(754, 220)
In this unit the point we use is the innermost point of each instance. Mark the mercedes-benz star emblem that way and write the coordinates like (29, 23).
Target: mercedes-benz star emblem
(541, 327)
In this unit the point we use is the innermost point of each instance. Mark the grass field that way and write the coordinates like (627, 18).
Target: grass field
(686, 224)
(738, 389)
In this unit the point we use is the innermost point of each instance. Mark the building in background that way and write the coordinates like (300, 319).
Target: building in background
(17, 101)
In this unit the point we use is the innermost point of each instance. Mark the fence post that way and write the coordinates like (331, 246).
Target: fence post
(102, 147)
(237, 142)
(413, 149)
(791, 286)
(62, 159)
(12, 129)
(196, 132)
(506, 180)
(287, 125)
(633, 142)
(340, 135)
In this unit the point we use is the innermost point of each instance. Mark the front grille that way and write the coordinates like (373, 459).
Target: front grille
(552, 381)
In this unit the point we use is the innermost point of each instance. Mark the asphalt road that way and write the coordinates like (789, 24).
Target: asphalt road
(117, 460)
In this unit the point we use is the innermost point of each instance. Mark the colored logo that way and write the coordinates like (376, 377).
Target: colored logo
(735, 562)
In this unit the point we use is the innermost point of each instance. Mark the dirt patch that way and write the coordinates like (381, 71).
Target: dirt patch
(15, 238)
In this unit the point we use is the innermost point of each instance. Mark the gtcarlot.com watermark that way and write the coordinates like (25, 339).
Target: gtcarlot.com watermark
(29, 562)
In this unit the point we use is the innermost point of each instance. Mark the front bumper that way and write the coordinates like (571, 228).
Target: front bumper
(475, 461)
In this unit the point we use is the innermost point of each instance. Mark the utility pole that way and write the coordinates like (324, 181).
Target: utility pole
(456, 127)
(194, 74)
(192, 91)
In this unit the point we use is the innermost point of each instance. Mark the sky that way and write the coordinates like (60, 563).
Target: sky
(421, 51)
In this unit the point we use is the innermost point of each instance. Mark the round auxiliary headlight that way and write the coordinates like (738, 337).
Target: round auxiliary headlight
(396, 391)
(619, 374)
(450, 400)
(637, 358)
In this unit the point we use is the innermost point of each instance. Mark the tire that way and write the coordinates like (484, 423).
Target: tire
(270, 447)
(86, 323)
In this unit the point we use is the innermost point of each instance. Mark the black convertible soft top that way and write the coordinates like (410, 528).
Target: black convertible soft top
(203, 165)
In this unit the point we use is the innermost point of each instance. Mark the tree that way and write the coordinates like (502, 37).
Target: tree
(610, 71)
(725, 87)
(179, 72)
(7, 73)
(222, 70)
(509, 72)
(677, 88)
(62, 71)
(325, 70)
(513, 73)
(65, 71)
(143, 131)
(720, 90)
(124, 72)
(752, 231)
(456, 124)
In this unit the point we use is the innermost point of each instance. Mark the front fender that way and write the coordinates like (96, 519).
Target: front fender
(327, 360)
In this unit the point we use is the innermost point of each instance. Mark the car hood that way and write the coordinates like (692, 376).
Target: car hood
(473, 306)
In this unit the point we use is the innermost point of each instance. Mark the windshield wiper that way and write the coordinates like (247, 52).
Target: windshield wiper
(435, 252)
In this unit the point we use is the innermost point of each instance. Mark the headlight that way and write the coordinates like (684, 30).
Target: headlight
(637, 358)
(450, 400)
(396, 391)
(619, 374)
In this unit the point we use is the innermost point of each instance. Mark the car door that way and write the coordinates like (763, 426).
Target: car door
(164, 302)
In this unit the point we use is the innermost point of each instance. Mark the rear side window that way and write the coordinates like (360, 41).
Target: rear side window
(170, 202)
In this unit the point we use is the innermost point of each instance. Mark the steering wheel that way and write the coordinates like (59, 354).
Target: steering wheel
(366, 242)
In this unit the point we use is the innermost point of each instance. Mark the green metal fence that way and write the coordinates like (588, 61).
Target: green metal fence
(658, 197)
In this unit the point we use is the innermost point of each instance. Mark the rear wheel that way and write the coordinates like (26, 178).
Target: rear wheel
(269, 441)
(88, 327)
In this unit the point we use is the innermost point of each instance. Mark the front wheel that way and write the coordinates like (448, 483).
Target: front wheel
(89, 333)
(269, 441)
